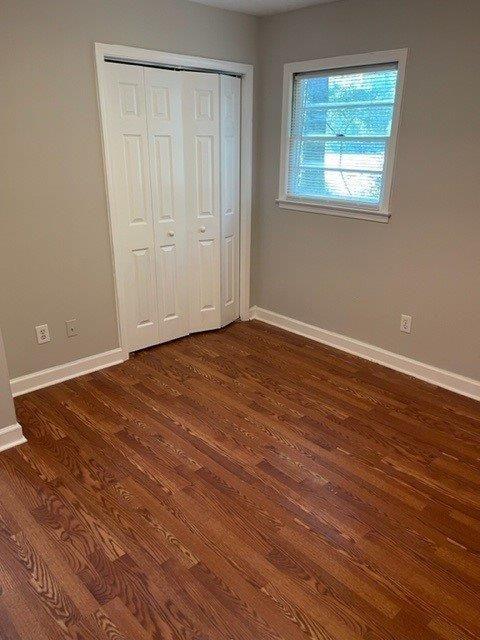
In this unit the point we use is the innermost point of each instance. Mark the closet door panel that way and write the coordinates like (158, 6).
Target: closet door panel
(128, 149)
(204, 178)
(230, 197)
(165, 133)
(174, 146)
(201, 125)
(141, 269)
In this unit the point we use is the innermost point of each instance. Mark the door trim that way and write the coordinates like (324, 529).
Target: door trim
(245, 71)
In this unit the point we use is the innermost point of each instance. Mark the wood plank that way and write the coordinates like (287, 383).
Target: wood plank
(242, 484)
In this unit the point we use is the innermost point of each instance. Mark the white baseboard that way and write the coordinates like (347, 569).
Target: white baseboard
(428, 373)
(53, 375)
(11, 437)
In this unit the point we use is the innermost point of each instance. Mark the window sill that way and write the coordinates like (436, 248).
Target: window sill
(332, 210)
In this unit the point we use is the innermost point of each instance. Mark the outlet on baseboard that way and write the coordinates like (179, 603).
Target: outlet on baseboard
(406, 323)
(72, 328)
(42, 333)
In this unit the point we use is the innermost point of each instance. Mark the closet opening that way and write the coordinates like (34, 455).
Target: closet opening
(177, 147)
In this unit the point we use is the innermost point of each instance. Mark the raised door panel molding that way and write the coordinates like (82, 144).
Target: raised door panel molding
(230, 175)
(135, 178)
(204, 176)
(160, 102)
(203, 104)
(206, 250)
(142, 268)
(128, 93)
(171, 278)
(230, 262)
(164, 176)
(168, 273)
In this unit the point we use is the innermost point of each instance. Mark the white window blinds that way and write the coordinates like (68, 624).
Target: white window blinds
(340, 132)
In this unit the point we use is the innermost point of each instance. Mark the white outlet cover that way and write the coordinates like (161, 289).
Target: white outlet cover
(406, 323)
(42, 333)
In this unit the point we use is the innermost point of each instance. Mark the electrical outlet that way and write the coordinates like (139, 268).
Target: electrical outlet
(406, 323)
(43, 334)
(72, 328)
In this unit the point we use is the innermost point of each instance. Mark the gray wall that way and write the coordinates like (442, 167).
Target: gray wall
(7, 410)
(349, 276)
(54, 239)
(356, 277)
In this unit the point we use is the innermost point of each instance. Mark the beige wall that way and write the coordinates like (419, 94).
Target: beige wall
(356, 277)
(7, 410)
(54, 239)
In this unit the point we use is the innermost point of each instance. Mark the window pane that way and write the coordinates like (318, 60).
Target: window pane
(344, 154)
(340, 130)
(356, 85)
(373, 120)
(347, 186)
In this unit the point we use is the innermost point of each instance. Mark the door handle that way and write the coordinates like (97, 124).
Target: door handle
(202, 229)
(170, 233)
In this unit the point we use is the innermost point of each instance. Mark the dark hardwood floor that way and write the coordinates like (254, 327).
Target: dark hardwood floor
(245, 484)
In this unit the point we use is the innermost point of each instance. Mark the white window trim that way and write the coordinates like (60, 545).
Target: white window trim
(378, 214)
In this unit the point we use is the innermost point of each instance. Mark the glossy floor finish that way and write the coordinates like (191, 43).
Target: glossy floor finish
(245, 484)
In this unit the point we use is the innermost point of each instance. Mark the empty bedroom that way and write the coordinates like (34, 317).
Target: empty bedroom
(239, 320)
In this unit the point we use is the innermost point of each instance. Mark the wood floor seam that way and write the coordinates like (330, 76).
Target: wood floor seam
(242, 484)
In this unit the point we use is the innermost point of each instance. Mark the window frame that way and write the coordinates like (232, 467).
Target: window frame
(380, 213)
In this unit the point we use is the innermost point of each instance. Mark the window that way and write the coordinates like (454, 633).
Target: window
(339, 133)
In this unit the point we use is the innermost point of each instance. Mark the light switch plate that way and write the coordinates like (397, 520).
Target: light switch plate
(71, 327)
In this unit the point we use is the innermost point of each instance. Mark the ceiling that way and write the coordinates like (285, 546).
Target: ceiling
(261, 7)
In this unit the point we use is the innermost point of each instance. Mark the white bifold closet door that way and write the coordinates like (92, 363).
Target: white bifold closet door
(174, 151)
(230, 197)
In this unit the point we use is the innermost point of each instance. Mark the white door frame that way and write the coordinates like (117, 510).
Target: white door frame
(245, 71)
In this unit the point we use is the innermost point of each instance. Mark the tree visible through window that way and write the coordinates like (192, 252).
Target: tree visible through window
(341, 125)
